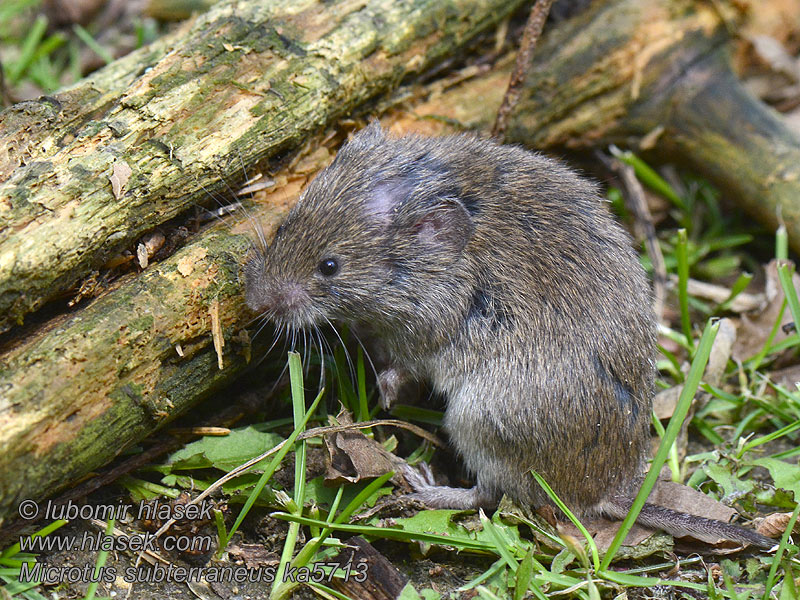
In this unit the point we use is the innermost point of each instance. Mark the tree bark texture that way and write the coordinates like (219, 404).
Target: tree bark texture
(627, 69)
(246, 81)
(73, 395)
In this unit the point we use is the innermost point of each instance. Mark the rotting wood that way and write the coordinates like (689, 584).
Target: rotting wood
(74, 396)
(625, 70)
(246, 81)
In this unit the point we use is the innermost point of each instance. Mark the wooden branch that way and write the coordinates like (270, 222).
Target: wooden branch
(80, 393)
(627, 70)
(75, 395)
(246, 81)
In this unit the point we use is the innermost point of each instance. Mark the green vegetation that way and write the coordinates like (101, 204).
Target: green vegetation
(39, 58)
(747, 424)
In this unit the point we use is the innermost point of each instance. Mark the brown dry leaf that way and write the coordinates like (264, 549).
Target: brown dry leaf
(774, 54)
(774, 525)
(119, 177)
(603, 531)
(216, 332)
(353, 456)
(754, 329)
(720, 352)
(788, 378)
(665, 401)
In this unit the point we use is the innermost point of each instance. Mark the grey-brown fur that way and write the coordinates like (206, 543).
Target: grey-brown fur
(498, 276)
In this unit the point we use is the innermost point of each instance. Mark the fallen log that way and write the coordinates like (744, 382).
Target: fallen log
(656, 74)
(86, 172)
(105, 377)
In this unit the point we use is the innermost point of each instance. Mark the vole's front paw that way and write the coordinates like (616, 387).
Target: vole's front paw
(440, 496)
(419, 479)
(389, 382)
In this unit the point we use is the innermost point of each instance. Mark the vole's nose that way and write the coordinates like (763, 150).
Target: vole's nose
(290, 296)
(285, 299)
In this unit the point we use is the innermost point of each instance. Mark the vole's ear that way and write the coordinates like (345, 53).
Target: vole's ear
(373, 131)
(371, 135)
(443, 223)
(446, 225)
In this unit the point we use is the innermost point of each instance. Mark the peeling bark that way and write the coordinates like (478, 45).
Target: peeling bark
(76, 394)
(245, 82)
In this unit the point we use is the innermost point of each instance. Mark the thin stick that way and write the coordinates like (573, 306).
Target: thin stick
(533, 29)
(643, 223)
(310, 433)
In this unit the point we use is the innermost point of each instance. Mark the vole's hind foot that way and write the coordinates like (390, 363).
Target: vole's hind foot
(442, 496)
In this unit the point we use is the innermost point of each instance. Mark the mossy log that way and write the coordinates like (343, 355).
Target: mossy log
(244, 82)
(656, 74)
(75, 394)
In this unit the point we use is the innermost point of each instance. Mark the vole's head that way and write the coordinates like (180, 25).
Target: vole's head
(376, 238)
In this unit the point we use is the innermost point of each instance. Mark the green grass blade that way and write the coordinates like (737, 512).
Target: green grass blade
(681, 254)
(363, 407)
(307, 553)
(649, 177)
(102, 557)
(87, 39)
(738, 287)
(29, 47)
(499, 543)
(299, 414)
(463, 543)
(674, 465)
(681, 410)
(785, 272)
(14, 549)
(773, 570)
(558, 502)
(781, 243)
(276, 460)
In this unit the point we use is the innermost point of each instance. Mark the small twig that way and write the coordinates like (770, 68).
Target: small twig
(311, 433)
(533, 29)
(643, 226)
(744, 302)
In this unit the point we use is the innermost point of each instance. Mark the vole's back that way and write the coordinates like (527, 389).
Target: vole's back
(552, 366)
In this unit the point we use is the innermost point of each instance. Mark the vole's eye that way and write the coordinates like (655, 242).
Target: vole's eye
(329, 267)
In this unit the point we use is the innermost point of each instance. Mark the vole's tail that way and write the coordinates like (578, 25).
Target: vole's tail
(682, 524)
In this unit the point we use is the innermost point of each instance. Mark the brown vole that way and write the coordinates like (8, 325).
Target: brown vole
(498, 276)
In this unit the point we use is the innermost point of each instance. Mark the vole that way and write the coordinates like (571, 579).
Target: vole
(499, 277)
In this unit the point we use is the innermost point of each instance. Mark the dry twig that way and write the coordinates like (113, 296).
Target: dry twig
(533, 29)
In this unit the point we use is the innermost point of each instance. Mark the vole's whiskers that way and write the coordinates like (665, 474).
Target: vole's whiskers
(366, 355)
(224, 204)
(265, 320)
(318, 339)
(306, 348)
(247, 188)
(349, 359)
